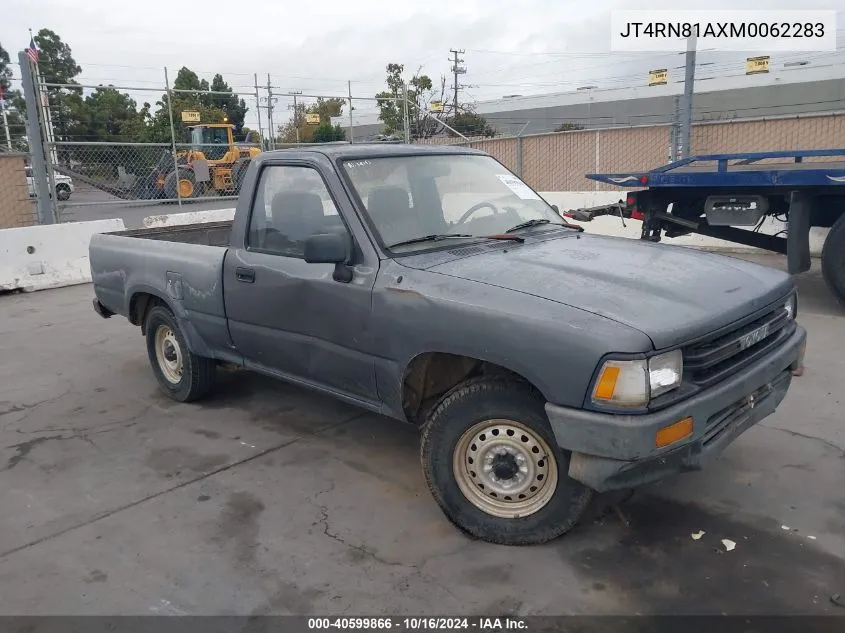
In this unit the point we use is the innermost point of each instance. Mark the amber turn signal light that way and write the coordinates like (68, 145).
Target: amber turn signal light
(673, 433)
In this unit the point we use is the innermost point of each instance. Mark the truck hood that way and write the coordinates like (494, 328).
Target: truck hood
(672, 294)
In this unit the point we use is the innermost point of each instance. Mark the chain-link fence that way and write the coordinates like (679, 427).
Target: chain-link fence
(129, 151)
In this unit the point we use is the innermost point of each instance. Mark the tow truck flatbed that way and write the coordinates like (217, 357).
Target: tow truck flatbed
(714, 194)
(719, 170)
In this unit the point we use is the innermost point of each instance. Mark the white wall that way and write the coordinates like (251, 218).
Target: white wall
(51, 256)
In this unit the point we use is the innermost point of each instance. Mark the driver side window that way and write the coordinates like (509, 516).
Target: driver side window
(292, 204)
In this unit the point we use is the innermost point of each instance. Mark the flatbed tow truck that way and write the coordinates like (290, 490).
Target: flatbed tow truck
(715, 194)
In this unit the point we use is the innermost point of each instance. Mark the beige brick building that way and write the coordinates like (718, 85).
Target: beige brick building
(16, 207)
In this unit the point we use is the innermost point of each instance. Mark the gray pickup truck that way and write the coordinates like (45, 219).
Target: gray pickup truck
(433, 286)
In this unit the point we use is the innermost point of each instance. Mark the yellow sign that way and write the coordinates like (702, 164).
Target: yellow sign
(190, 116)
(436, 106)
(312, 118)
(755, 65)
(658, 77)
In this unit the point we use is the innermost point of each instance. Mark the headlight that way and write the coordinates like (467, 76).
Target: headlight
(791, 305)
(631, 383)
(665, 372)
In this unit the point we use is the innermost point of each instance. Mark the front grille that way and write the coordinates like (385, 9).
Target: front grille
(712, 360)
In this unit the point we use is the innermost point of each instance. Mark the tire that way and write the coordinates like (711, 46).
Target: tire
(833, 260)
(189, 377)
(171, 182)
(512, 412)
(62, 192)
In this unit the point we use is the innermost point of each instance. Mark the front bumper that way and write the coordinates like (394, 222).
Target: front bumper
(618, 451)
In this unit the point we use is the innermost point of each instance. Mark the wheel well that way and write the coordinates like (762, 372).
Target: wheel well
(431, 375)
(140, 305)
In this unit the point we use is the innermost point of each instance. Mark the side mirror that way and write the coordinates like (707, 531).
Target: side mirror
(330, 248)
(554, 206)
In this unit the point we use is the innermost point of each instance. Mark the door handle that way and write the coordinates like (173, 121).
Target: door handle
(246, 275)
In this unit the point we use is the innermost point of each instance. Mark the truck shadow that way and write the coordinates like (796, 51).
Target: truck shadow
(655, 567)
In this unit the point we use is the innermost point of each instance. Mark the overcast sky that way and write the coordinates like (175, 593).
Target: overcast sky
(512, 46)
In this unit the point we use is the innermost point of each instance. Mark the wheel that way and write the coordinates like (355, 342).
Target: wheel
(833, 260)
(63, 192)
(182, 375)
(185, 183)
(492, 464)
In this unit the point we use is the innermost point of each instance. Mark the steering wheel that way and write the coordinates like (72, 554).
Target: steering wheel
(466, 216)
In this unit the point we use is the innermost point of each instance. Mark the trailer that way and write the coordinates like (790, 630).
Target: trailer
(729, 197)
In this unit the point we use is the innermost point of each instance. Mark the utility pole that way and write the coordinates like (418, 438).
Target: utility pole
(294, 93)
(258, 112)
(689, 89)
(405, 112)
(37, 148)
(457, 69)
(351, 122)
(270, 113)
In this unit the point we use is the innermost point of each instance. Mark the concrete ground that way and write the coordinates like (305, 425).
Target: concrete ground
(268, 499)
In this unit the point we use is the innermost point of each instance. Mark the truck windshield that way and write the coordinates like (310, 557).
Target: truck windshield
(407, 197)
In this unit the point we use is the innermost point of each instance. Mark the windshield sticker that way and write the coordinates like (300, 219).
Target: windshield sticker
(518, 187)
(358, 163)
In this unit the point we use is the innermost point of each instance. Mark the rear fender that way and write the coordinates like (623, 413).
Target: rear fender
(139, 306)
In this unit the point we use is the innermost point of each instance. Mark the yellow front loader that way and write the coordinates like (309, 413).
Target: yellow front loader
(212, 165)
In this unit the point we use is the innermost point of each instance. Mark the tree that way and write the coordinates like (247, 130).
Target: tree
(420, 91)
(326, 108)
(110, 115)
(325, 133)
(14, 104)
(469, 123)
(188, 95)
(57, 66)
(568, 126)
(234, 107)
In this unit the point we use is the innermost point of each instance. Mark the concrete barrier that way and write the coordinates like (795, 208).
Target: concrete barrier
(190, 217)
(51, 256)
(610, 225)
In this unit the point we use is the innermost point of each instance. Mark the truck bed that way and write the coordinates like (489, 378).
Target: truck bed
(205, 234)
(181, 263)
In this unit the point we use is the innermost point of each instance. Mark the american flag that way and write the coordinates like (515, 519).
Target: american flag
(32, 50)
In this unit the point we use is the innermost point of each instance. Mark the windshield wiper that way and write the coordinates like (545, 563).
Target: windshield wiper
(435, 237)
(539, 221)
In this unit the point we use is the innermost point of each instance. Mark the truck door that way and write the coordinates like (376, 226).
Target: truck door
(288, 316)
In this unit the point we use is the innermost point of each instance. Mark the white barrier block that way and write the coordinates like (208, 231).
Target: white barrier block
(612, 225)
(190, 217)
(50, 256)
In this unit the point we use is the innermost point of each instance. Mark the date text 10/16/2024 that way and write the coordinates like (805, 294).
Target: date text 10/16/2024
(481, 624)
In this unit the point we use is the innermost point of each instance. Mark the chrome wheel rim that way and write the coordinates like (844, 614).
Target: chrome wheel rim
(168, 354)
(505, 469)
